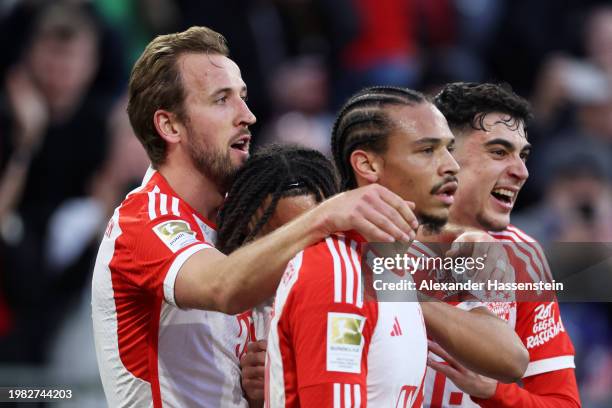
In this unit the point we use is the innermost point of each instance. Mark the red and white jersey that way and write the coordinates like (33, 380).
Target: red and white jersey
(538, 324)
(328, 347)
(150, 352)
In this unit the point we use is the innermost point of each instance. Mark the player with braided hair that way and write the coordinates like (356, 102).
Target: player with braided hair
(329, 345)
(277, 184)
(273, 173)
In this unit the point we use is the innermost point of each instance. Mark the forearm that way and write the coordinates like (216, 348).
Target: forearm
(478, 340)
(251, 274)
(556, 389)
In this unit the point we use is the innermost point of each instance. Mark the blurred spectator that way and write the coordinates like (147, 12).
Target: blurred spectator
(577, 195)
(385, 50)
(301, 95)
(53, 141)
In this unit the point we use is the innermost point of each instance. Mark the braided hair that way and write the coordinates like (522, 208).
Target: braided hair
(363, 124)
(276, 171)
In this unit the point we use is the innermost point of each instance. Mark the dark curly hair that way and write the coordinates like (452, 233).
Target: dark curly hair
(276, 171)
(466, 104)
(363, 123)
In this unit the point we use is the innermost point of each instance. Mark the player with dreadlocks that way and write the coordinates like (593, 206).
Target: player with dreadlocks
(331, 346)
(258, 195)
(277, 184)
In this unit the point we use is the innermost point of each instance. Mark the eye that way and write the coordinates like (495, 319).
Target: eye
(499, 152)
(524, 156)
(244, 98)
(451, 148)
(221, 100)
(428, 150)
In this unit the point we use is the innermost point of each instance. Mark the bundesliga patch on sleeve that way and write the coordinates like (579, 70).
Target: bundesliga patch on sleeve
(176, 234)
(344, 342)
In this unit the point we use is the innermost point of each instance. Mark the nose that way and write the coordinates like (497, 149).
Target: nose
(448, 165)
(518, 170)
(245, 117)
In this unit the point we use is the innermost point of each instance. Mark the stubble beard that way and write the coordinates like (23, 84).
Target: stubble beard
(210, 162)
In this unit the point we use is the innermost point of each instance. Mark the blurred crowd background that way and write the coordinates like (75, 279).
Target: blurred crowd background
(68, 155)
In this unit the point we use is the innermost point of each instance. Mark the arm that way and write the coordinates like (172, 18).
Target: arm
(210, 280)
(555, 389)
(477, 339)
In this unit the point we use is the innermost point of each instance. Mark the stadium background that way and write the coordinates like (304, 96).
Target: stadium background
(64, 67)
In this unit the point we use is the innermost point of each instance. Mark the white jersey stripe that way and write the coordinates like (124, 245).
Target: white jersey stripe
(357, 265)
(357, 396)
(175, 206)
(163, 204)
(337, 270)
(156, 189)
(152, 213)
(536, 246)
(348, 394)
(520, 252)
(336, 394)
(525, 245)
(348, 270)
(423, 248)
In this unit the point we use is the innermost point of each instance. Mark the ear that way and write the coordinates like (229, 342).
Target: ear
(167, 125)
(367, 166)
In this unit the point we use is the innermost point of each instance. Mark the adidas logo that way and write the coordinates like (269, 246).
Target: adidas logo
(397, 330)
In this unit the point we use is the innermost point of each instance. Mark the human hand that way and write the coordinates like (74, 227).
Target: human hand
(374, 211)
(252, 365)
(29, 108)
(466, 380)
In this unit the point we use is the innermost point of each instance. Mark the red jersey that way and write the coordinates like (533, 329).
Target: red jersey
(151, 352)
(538, 324)
(330, 347)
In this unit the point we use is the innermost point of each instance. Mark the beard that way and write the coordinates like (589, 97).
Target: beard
(210, 162)
(432, 223)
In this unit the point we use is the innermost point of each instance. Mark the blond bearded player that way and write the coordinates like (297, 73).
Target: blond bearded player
(157, 269)
(488, 122)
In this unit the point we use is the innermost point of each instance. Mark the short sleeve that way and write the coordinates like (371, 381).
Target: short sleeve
(541, 329)
(160, 249)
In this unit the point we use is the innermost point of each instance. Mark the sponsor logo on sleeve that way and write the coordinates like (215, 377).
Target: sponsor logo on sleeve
(344, 342)
(176, 234)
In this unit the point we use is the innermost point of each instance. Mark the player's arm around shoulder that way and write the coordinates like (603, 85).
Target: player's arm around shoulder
(211, 280)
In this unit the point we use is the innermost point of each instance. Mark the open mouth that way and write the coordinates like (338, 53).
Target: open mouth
(504, 195)
(242, 144)
(446, 192)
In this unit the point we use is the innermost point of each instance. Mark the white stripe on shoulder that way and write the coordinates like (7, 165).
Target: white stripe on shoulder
(423, 248)
(527, 248)
(348, 270)
(152, 213)
(175, 206)
(163, 204)
(337, 270)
